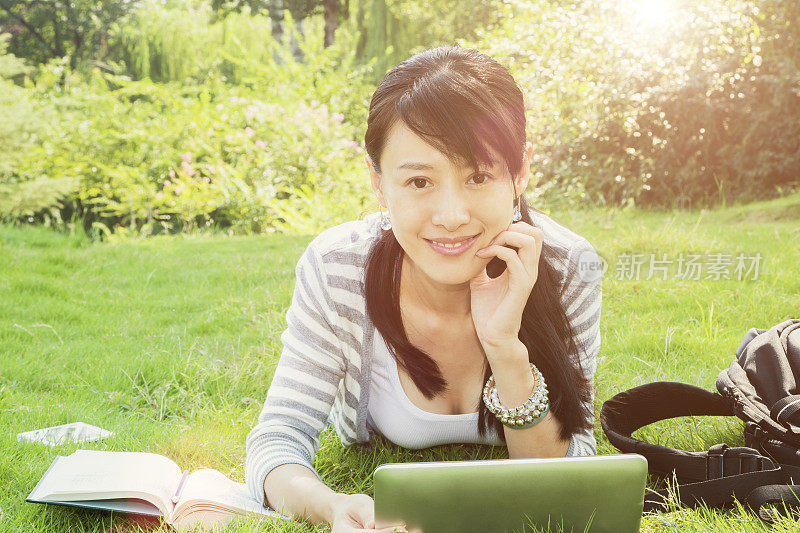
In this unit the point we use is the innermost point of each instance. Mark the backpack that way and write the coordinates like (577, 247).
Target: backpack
(762, 387)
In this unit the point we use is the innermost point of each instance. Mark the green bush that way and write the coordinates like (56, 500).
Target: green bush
(674, 107)
(279, 154)
(186, 41)
(22, 122)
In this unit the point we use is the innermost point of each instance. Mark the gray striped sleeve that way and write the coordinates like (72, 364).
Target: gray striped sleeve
(305, 382)
(582, 297)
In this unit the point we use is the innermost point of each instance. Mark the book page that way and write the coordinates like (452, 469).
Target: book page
(210, 492)
(95, 474)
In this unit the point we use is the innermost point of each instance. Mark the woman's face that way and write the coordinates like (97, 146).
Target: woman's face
(430, 198)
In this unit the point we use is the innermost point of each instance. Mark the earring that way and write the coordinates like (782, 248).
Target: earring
(517, 214)
(386, 224)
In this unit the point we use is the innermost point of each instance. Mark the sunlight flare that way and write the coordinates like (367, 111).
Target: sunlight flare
(653, 13)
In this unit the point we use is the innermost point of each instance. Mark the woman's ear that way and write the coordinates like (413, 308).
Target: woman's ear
(370, 165)
(524, 177)
(375, 179)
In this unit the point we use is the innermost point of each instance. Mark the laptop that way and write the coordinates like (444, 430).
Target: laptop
(601, 493)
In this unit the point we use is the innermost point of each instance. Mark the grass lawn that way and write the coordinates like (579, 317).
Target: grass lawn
(171, 343)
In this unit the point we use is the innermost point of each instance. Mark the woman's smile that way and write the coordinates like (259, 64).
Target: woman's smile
(453, 249)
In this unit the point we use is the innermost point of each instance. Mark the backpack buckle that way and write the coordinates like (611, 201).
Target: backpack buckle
(715, 461)
(723, 461)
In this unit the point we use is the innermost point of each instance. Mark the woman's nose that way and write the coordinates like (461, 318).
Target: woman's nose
(452, 211)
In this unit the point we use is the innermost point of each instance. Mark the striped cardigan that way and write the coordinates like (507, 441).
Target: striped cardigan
(323, 373)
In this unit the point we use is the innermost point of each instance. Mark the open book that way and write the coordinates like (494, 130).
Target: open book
(147, 484)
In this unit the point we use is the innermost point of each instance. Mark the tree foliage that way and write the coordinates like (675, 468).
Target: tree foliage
(657, 103)
(392, 30)
(299, 9)
(204, 116)
(43, 30)
(278, 149)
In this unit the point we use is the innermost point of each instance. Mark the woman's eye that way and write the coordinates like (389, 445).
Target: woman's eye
(483, 177)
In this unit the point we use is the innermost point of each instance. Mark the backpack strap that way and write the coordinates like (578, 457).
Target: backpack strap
(714, 477)
(785, 409)
(786, 496)
(719, 491)
(641, 406)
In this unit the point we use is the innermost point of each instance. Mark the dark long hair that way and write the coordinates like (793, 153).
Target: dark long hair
(456, 99)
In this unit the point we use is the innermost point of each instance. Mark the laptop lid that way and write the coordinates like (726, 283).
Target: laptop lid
(605, 492)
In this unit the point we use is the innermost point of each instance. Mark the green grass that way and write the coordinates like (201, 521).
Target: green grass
(171, 343)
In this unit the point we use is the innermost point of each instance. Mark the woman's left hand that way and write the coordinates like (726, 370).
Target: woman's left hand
(497, 304)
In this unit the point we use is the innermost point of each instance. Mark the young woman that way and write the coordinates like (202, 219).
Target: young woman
(400, 324)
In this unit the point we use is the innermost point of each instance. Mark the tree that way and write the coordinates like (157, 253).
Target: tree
(42, 30)
(334, 11)
(411, 25)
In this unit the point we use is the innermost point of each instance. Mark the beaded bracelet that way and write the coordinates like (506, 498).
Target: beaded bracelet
(530, 413)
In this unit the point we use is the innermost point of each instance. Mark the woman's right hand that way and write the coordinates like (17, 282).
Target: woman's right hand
(356, 513)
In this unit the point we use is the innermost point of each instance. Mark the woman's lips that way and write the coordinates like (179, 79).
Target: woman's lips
(458, 250)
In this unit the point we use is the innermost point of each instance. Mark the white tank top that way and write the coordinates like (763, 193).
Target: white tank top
(394, 415)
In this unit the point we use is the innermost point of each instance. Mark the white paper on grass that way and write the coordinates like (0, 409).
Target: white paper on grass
(75, 432)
